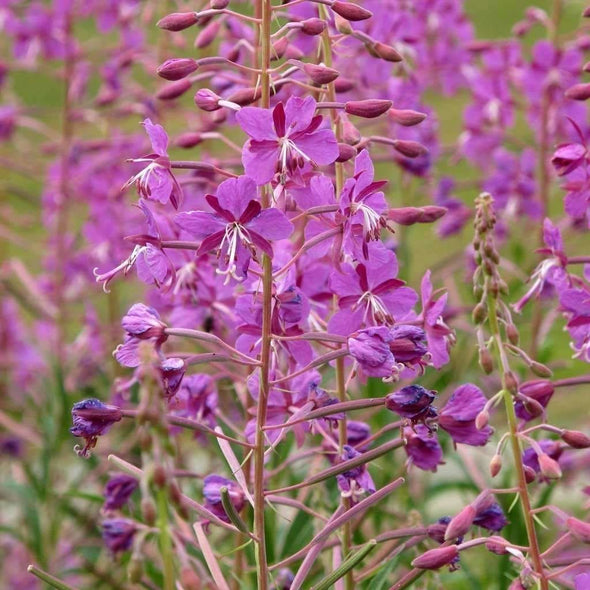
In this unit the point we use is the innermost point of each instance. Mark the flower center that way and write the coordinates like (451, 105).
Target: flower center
(375, 308)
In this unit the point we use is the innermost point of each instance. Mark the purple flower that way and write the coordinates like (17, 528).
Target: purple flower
(551, 448)
(156, 181)
(118, 490)
(171, 371)
(458, 416)
(408, 345)
(370, 348)
(196, 399)
(237, 227)
(422, 447)
(490, 516)
(91, 419)
(412, 402)
(118, 533)
(284, 139)
(576, 304)
(356, 481)
(539, 390)
(212, 485)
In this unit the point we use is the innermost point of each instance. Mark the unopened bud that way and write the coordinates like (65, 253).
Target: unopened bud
(461, 523)
(480, 312)
(576, 439)
(549, 467)
(148, 511)
(320, 74)
(412, 215)
(144, 439)
(496, 545)
(350, 11)
(345, 152)
(189, 139)
(368, 109)
(176, 69)
(510, 382)
(178, 21)
(219, 4)
(342, 85)
(529, 474)
(495, 465)
(482, 419)
(436, 558)
(175, 493)
(313, 26)
(350, 134)
(410, 149)
(279, 48)
(579, 529)
(486, 361)
(512, 334)
(174, 90)
(207, 100)
(386, 52)
(406, 117)
(245, 96)
(208, 34)
(578, 92)
(159, 476)
(540, 370)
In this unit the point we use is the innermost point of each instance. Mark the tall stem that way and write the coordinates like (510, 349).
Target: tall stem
(263, 12)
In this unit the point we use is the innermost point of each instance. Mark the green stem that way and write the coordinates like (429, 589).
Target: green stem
(165, 540)
(48, 578)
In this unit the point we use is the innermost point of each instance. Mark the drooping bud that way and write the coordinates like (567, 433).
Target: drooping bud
(118, 490)
(482, 419)
(386, 52)
(512, 334)
(279, 48)
(368, 109)
(178, 21)
(313, 26)
(480, 312)
(549, 467)
(176, 69)
(350, 134)
(529, 474)
(219, 4)
(579, 529)
(410, 149)
(189, 139)
(510, 382)
(320, 74)
(174, 90)
(345, 152)
(207, 100)
(208, 34)
(245, 96)
(461, 523)
(148, 511)
(576, 439)
(486, 361)
(578, 92)
(540, 370)
(495, 465)
(350, 11)
(586, 13)
(406, 117)
(118, 533)
(342, 85)
(412, 215)
(436, 558)
(496, 545)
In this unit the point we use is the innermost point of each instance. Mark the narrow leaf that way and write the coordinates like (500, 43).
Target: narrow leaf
(210, 558)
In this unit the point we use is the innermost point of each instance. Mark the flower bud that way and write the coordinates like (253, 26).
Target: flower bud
(529, 474)
(159, 476)
(176, 69)
(149, 513)
(586, 67)
(350, 11)
(412, 215)
(436, 558)
(482, 419)
(368, 109)
(208, 34)
(406, 117)
(386, 52)
(486, 362)
(579, 529)
(320, 74)
(549, 467)
(461, 523)
(510, 382)
(174, 90)
(313, 26)
(350, 134)
(189, 139)
(576, 439)
(245, 96)
(480, 313)
(219, 4)
(495, 465)
(207, 100)
(345, 152)
(512, 334)
(540, 370)
(586, 13)
(279, 48)
(178, 21)
(496, 545)
(410, 149)
(578, 92)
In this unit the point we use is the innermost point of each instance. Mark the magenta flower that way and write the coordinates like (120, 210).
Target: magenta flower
(118, 490)
(412, 402)
(422, 447)
(285, 139)
(458, 416)
(356, 481)
(237, 227)
(118, 533)
(370, 348)
(576, 304)
(212, 493)
(156, 181)
(92, 418)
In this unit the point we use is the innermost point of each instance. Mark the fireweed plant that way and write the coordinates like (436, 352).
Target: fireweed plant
(282, 385)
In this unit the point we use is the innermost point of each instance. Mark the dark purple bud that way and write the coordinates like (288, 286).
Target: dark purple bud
(412, 401)
(283, 579)
(118, 533)
(410, 149)
(313, 26)
(368, 109)
(176, 69)
(212, 485)
(576, 439)
(118, 490)
(189, 139)
(406, 117)
(578, 92)
(171, 372)
(350, 11)
(279, 48)
(320, 74)
(207, 100)
(436, 558)
(178, 21)
(174, 90)
(345, 152)
(91, 419)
